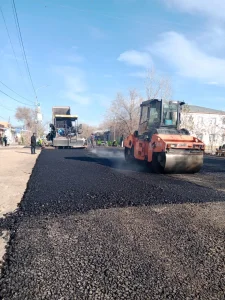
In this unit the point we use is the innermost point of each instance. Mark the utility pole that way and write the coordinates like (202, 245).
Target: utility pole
(38, 115)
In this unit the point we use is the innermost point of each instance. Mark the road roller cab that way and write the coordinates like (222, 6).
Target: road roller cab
(160, 141)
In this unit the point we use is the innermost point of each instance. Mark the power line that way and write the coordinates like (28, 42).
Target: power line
(22, 45)
(6, 107)
(15, 99)
(3, 118)
(11, 42)
(15, 92)
(13, 50)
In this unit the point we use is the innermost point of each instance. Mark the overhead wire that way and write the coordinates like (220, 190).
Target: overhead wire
(10, 40)
(15, 92)
(15, 99)
(22, 46)
(3, 118)
(13, 50)
(6, 107)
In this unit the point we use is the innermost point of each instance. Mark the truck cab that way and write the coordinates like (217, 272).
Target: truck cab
(160, 116)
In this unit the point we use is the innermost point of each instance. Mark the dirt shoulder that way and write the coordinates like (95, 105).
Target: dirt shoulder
(16, 165)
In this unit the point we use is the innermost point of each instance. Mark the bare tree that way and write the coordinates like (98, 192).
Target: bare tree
(157, 87)
(87, 130)
(123, 113)
(28, 117)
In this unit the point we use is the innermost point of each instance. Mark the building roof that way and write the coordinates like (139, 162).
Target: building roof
(204, 110)
(4, 124)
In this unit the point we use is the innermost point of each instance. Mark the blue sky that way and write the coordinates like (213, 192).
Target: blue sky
(88, 50)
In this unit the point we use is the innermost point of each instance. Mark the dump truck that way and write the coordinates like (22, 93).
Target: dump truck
(161, 143)
(65, 129)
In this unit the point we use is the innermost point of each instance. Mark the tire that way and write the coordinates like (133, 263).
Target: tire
(129, 154)
(158, 163)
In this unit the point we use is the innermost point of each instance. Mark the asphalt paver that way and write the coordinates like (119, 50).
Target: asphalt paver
(88, 229)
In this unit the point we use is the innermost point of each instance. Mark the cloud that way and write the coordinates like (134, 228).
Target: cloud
(212, 83)
(212, 39)
(188, 59)
(210, 8)
(75, 86)
(135, 58)
(138, 74)
(97, 33)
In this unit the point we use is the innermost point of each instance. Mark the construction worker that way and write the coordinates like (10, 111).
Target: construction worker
(33, 143)
(92, 140)
(5, 140)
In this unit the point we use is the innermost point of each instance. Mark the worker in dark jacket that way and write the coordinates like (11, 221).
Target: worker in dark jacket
(92, 140)
(33, 143)
(5, 140)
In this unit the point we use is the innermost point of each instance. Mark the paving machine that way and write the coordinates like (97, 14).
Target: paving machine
(65, 130)
(161, 143)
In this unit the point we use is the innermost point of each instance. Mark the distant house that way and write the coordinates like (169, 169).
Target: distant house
(206, 124)
(10, 131)
(3, 128)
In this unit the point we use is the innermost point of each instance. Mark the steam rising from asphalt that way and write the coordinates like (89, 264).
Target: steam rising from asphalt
(109, 153)
(117, 160)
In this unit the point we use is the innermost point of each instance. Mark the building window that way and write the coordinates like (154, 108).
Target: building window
(212, 138)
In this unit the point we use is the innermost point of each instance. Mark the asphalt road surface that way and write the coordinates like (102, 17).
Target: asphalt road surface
(91, 227)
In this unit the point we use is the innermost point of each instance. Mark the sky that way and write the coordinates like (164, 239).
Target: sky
(82, 52)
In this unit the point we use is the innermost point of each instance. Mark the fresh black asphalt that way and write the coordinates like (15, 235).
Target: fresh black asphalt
(87, 228)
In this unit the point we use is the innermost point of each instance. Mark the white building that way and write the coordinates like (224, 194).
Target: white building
(206, 124)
